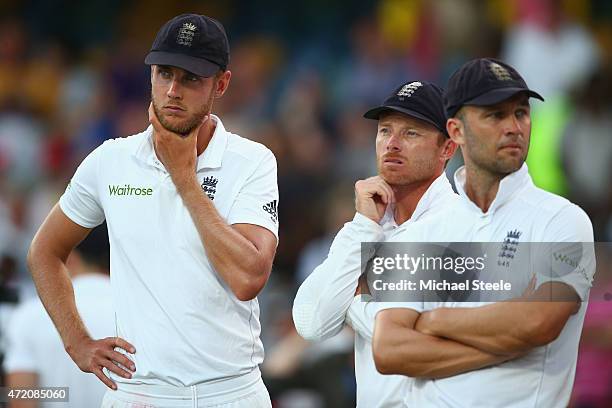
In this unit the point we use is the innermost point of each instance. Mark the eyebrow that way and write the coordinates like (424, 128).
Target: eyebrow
(184, 71)
(523, 102)
(402, 128)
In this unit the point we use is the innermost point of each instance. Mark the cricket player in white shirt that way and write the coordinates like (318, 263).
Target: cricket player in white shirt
(192, 217)
(35, 355)
(536, 340)
(412, 150)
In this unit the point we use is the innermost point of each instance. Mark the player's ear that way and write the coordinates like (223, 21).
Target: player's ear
(222, 83)
(448, 149)
(455, 129)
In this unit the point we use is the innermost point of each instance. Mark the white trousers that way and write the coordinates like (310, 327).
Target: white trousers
(247, 391)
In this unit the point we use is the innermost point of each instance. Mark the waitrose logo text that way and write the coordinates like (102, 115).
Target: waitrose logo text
(128, 190)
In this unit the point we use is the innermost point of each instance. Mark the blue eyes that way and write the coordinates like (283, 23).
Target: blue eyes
(166, 74)
(408, 133)
(500, 115)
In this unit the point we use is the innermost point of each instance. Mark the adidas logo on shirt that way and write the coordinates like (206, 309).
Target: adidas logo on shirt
(272, 209)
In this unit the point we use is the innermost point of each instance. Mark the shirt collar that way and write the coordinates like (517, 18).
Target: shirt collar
(508, 187)
(437, 194)
(211, 158)
(213, 155)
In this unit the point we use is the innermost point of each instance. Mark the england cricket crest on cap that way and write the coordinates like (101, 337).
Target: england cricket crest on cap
(500, 72)
(186, 34)
(408, 89)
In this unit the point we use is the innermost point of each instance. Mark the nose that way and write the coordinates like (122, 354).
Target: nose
(393, 143)
(513, 126)
(174, 90)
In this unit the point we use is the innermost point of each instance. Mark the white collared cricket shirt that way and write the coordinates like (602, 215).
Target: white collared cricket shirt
(185, 322)
(520, 213)
(34, 346)
(326, 301)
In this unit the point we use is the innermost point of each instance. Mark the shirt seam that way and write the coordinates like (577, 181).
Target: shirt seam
(251, 331)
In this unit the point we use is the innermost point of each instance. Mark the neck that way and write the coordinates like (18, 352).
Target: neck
(205, 135)
(407, 198)
(481, 186)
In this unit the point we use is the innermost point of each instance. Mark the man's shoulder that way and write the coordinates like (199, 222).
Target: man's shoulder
(125, 143)
(549, 203)
(558, 214)
(247, 149)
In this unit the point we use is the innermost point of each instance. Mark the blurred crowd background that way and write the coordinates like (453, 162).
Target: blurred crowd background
(72, 75)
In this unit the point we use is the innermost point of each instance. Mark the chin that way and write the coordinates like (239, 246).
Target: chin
(180, 127)
(395, 179)
(510, 166)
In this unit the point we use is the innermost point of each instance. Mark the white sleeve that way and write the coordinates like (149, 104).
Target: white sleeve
(571, 252)
(81, 200)
(257, 202)
(362, 314)
(19, 350)
(323, 299)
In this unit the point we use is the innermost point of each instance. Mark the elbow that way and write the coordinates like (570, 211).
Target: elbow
(546, 335)
(253, 278)
(388, 363)
(249, 291)
(383, 357)
(303, 321)
(542, 330)
(384, 365)
(245, 296)
(307, 333)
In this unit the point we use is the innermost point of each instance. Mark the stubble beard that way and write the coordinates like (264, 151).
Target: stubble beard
(187, 125)
(486, 162)
(395, 180)
(419, 171)
(495, 165)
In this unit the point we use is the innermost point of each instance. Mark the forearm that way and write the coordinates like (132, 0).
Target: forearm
(237, 260)
(501, 328)
(399, 349)
(320, 306)
(57, 295)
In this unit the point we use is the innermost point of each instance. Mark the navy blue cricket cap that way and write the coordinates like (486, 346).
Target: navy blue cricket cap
(483, 82)
(193, 42)
(419, 99)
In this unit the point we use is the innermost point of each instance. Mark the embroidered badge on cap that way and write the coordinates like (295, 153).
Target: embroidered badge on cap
(500, 72)
(185, 35)
(408, 89)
